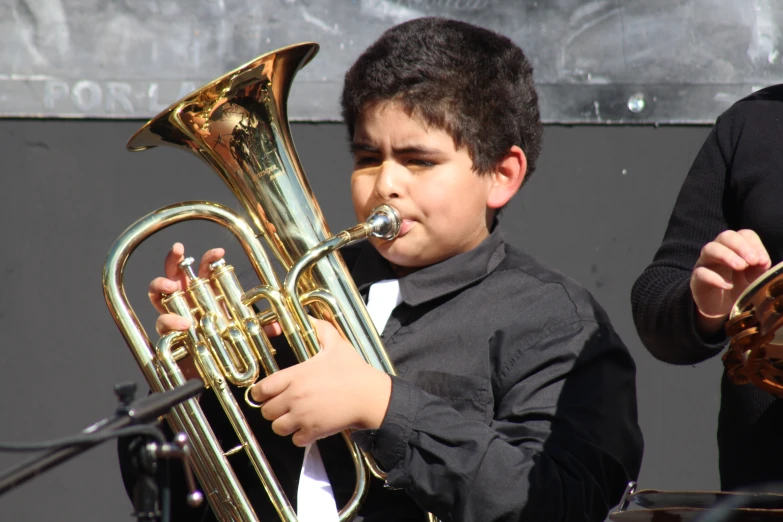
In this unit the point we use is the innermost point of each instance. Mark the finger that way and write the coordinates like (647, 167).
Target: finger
(303, 438)
(171, 322)
(322, 329)
(738, 244)
(273, 329)
(275, 407)
(326, 332)
(711, 277)
(715, 253)
(209, 257)
(172, 261)
(285, 425)
(158, 287)
(754, 272)
(754, 241)
(271, 386)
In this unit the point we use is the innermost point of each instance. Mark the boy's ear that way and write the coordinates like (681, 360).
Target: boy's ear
(507, 177)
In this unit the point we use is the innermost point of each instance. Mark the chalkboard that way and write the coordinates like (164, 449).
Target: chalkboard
(600, 61)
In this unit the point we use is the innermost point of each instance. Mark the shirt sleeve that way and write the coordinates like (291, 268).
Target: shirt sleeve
(562, 445)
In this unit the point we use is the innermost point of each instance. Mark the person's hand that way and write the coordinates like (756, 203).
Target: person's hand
(334, 391)
(725, 268)
(175, 280)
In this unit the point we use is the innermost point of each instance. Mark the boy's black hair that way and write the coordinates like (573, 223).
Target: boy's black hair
(473, 83)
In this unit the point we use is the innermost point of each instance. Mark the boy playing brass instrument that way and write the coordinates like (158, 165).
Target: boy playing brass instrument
(515, 399)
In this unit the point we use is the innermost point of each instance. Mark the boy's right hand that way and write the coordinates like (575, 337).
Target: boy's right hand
(725, 268)
(175, 280)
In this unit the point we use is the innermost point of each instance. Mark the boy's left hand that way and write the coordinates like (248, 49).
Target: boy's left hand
(334, 391)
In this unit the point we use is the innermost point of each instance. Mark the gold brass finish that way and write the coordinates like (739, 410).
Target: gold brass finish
(755, 353)
(238, 124)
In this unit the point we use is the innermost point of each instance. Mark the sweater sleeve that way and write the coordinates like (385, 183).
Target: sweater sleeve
(663, 309)
(738, 162)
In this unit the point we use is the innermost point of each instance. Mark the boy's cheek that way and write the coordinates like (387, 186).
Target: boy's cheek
(361, 204)
(380, 245)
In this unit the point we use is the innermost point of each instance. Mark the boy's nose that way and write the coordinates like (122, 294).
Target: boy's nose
(389, 183)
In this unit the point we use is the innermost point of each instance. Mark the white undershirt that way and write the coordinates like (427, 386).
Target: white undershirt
(315, 498)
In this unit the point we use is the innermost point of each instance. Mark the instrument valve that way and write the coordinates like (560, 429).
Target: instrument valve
(186, 265)
(217, 264)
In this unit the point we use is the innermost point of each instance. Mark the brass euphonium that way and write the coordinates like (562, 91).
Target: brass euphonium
(238, 124)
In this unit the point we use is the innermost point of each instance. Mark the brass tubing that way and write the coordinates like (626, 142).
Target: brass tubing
(227, 360)
(189, 418)
(226, 280)
(192, 421)
(265, 352)
(247, 439)
(287, 323)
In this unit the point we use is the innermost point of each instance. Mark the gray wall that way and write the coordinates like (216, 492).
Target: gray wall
(596, 209)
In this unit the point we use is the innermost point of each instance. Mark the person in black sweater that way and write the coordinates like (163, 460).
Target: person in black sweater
(726, 229)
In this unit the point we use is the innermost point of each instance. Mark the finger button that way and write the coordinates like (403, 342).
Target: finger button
(186, 265)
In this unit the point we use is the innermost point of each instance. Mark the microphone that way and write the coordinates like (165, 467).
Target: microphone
(131, 416)
(149, 408)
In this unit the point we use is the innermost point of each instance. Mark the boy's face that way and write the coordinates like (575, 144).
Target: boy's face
(416, 169)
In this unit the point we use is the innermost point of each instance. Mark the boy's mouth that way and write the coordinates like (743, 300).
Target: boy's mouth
(405, 227)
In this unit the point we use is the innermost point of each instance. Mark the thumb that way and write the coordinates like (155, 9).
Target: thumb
(328, 335)
(710, 292)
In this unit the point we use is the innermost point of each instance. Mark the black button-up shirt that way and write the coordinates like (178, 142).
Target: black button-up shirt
(514, 397)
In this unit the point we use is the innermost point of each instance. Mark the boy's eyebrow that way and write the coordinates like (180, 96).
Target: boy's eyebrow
(416, 149)
(412, 149)
(364, 147)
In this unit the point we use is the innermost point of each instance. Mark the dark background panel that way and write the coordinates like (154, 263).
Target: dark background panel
(596, 209)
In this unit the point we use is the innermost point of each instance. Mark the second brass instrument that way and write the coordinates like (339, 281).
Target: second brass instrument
(755, 353)
(238, 124)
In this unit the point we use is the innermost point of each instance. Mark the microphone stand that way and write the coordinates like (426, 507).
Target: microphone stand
(129, 413)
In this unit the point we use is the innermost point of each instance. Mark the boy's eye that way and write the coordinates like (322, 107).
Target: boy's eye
(421, 163)
(365, 161)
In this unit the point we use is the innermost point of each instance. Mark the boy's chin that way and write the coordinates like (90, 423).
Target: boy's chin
(397, 255)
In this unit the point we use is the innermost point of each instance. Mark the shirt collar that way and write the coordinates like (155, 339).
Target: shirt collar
(437, 280)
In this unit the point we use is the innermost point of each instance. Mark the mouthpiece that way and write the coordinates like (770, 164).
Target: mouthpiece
(384, 222)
